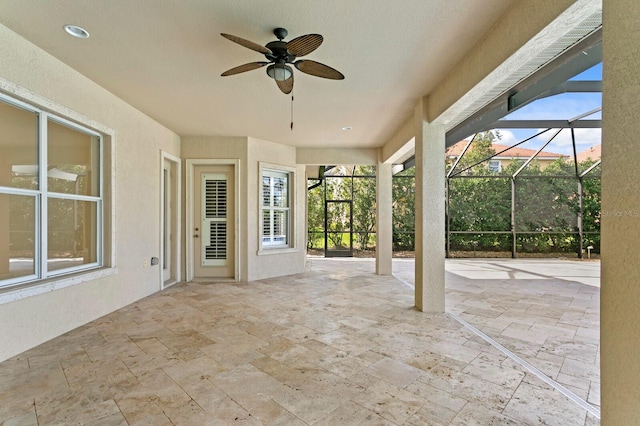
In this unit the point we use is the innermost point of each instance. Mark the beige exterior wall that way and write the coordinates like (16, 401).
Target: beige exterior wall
(322, 156)
(620, 276)
(220, 148)
(273, 263)
(401, 146)
(38, 78)
(250, 153)
(429, 214)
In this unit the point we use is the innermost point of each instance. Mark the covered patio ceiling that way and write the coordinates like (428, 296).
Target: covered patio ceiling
(165, 59)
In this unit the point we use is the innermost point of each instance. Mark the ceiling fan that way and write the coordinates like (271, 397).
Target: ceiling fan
(281, 54)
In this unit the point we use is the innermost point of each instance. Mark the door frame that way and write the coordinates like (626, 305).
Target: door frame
(191, 164)
(176, 245)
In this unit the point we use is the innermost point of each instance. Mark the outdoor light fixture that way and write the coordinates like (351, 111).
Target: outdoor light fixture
(76, 31)
(279, 71)
(589, 248)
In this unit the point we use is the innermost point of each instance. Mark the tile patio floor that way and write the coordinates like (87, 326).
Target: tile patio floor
(337, 345)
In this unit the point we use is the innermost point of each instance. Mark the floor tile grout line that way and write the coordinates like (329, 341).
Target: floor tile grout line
(533, 370)
(35, 410)
(403, 281)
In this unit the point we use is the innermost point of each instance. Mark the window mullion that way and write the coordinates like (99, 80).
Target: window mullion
(41, 227)
(272, 191)
(272, 202)
(100, 218)
(272, 225)
(64, 196)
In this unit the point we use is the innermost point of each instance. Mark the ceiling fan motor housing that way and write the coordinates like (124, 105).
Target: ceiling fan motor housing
(279, 52)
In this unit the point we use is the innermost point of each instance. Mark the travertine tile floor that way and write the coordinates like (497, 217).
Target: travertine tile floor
(337, 345)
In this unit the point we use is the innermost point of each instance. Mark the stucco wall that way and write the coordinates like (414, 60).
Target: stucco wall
(620, 275)
(324, 156)
(227, 148)
(250, 152)
(261, 266)
(42, 80)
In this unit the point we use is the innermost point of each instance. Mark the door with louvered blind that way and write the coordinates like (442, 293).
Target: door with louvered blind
(214, 233)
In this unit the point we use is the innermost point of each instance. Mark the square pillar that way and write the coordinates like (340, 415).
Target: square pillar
(429, 212)
(384, 219)
(620, 213)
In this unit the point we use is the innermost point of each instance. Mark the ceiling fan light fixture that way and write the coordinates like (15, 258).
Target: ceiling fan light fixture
(279, 72)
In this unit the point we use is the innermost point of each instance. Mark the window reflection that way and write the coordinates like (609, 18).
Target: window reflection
(19, 145)
(17, 235)
(72, 231)
(73, 161)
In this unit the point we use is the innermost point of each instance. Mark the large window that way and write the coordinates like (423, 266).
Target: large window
(50, 195)
(276, 209)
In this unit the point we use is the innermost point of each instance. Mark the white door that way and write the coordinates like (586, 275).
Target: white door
(170, 234)
(213, 233)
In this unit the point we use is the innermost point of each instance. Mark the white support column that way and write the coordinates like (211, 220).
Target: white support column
(620, 213)
(384, 215)
(429, 211)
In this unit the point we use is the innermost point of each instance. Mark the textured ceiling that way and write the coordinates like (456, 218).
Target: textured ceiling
(165, 58)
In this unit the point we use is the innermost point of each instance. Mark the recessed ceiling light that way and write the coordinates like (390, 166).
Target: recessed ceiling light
(346, 128)
(76, 31)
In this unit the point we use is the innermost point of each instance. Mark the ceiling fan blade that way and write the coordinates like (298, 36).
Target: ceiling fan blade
(243, 68)
(305, 44)
(318, 69)
(286, 86)
(246, 43)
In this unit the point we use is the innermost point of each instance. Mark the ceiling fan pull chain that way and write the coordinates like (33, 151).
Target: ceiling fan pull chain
(292, 112)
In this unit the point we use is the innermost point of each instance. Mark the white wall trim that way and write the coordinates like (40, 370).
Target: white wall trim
(30, 289)
(191, 164)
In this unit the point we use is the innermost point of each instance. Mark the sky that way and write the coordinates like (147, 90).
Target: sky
(559, 107)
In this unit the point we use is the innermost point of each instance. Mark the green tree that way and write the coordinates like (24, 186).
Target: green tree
(364, 206)
(480, 204)
(591, 212)
(546, 204)
(315, 217)
(403, 193)
(338, 188)
(479, 150)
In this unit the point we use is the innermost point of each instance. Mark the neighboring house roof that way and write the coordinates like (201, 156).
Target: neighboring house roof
(515, 152)
(594, 153)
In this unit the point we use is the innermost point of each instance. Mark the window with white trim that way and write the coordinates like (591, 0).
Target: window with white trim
(50, 195)
(495, 166)
(276, 209)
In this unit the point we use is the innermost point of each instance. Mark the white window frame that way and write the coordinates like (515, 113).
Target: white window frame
(492, 168)
(42, 195)
(268, 169)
